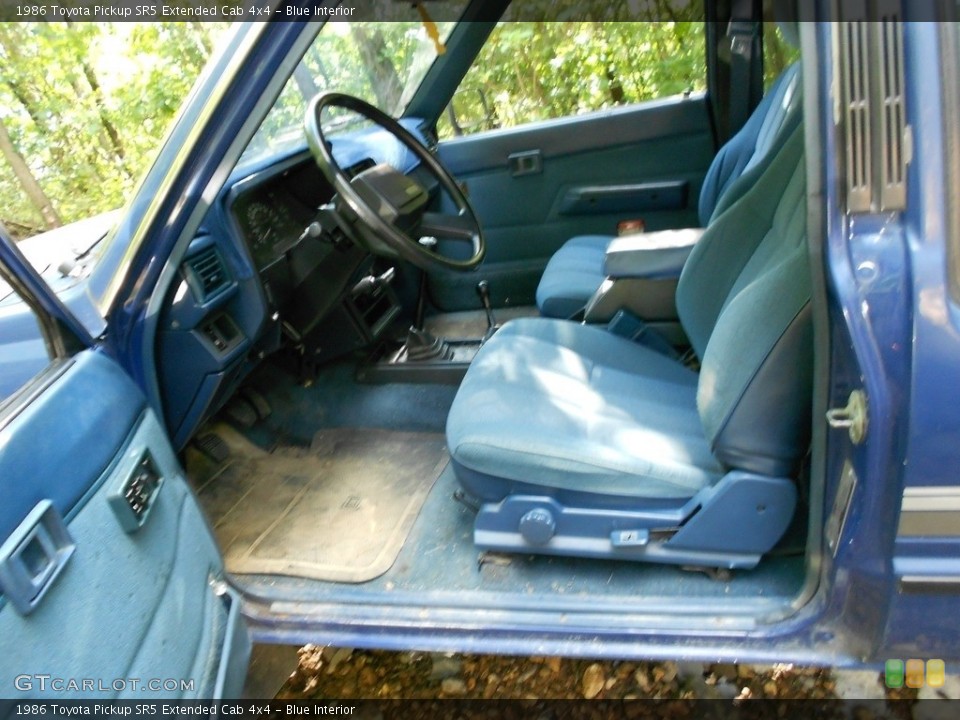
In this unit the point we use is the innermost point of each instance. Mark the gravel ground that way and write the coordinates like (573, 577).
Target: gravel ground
(345, 674)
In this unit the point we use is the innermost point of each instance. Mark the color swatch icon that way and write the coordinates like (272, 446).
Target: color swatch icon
(914, 673)
(893, 673)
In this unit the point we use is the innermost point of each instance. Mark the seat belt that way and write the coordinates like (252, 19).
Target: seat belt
(744, 34)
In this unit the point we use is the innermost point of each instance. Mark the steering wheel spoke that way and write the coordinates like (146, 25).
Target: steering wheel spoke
(384, 187)
(446, 226)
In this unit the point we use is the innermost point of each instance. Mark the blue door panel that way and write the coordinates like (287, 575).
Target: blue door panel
(655, 154)
(134, 603)
(75, 429)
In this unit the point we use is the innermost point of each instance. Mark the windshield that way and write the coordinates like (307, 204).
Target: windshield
(381, 62)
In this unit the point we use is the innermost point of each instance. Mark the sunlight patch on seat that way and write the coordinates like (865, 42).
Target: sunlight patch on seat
(571, 390)
(651, 444)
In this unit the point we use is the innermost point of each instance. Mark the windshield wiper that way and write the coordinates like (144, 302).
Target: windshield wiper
(81, 255)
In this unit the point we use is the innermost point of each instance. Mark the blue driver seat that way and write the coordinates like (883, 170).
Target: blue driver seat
(576, 270)
(575, 441)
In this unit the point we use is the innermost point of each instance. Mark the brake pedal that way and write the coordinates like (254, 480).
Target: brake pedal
(241, 412)
(257, 401)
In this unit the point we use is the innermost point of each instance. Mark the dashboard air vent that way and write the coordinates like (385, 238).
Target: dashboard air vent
(206, 274)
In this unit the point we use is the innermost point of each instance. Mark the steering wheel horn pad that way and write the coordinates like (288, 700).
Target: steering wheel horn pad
(389, 207)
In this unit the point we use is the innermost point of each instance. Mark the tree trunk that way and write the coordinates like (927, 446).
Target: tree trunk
(376, 61)
(23, 92)
(29, 183)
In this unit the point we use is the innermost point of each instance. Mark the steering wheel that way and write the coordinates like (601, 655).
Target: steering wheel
(385, 206)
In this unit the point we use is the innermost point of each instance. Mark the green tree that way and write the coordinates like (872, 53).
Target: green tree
(537, 70)
(84, 107)
(26, 179)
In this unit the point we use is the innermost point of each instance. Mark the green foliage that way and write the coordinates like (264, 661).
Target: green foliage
(777, 54)
(86, 105)
(533, 70)
(376, 61)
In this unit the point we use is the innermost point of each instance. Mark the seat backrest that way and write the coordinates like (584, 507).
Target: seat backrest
(744, 301)
(735, 167)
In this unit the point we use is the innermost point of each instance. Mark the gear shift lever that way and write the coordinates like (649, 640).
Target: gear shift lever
(483, 290)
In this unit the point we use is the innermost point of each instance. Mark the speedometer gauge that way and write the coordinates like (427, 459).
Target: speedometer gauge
(263, 222)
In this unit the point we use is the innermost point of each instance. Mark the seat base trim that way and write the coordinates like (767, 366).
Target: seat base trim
(728, 525)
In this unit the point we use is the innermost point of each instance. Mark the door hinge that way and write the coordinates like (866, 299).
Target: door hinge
(853, 416)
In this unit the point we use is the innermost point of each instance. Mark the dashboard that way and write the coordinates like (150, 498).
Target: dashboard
(253, 282)
(271, 214)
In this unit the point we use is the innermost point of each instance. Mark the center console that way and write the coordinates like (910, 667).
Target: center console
(642, 273)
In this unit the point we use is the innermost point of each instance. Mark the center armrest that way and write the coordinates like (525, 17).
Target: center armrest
(650, 255)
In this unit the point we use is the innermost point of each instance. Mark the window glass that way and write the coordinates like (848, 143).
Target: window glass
(23, 352)
(532, 71)
(83, 109)
(380, 62)
(778, 54)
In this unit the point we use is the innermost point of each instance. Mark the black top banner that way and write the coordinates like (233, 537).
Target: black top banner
(438, 10)
(337, 10)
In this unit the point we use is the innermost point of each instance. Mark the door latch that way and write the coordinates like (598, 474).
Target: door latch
(853, 417)
(528, 162)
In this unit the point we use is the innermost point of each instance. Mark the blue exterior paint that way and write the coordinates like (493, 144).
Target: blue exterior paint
(126, 317)
(38, 289)
(925, 618)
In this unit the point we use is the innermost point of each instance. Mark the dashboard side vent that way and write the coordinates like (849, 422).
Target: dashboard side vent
(206, 273)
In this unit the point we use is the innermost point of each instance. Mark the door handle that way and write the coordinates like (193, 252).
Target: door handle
(33, 556)
(528, 162)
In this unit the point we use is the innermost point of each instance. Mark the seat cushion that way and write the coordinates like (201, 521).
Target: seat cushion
(572, 275)
(568, 407)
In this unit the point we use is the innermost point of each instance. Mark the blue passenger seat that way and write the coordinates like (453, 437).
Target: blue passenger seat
(575, 441)
(576, 270)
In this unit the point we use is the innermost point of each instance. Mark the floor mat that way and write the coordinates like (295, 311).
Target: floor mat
(339, 510)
